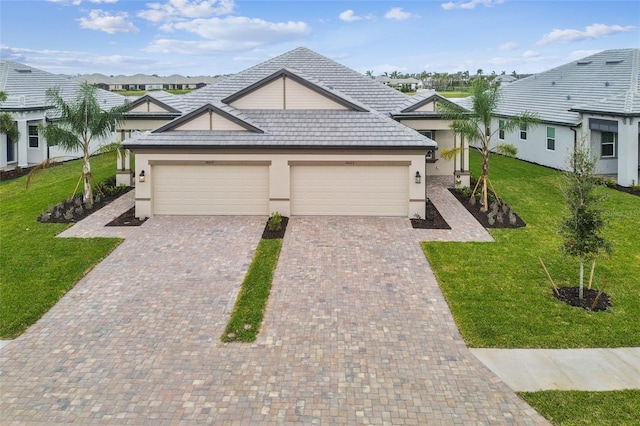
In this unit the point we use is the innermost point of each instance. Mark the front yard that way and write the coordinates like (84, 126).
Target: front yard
(37, 268)
(498, 292)
(500, 296)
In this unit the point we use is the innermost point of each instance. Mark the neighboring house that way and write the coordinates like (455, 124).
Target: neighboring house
(505, 79)
(26, 89)
(595, 98)
(146, 82)
(298, 134)
(409, 84)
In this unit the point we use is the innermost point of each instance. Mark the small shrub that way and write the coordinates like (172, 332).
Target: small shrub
(491, 220)
(79, 210)
(500, 218)
(611, 183)
(512, 218)
(275, 222)
(68, 215)
(466, 191)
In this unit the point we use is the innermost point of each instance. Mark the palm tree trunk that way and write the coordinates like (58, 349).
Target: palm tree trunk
(484, 177)
(87, 195)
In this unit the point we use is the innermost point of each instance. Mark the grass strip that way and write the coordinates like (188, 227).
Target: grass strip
(248, 312)
(38, 268)
(573, 408)
(498, 292)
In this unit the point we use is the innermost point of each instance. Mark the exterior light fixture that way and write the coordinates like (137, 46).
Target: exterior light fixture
(141, 177)
(418, 177)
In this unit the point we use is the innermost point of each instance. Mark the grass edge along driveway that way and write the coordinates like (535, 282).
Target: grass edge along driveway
(38, 268)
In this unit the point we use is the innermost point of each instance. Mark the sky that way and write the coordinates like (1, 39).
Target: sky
(216, 37)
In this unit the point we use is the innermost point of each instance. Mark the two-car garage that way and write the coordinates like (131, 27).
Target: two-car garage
(363, 188)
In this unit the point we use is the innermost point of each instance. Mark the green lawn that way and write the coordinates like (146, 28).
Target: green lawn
(454, 94)
(248, 312)
(37, 268)
(573, 408)
(498, 292)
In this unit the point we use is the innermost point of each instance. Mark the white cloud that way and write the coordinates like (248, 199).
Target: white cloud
(510, 45)
(103, 1)
(398, 14)
(178, 9)
(592, 31)
(530, 54)
(110, 24)
(470, 4)
(242, 29)
(349, 16)
(579, 54)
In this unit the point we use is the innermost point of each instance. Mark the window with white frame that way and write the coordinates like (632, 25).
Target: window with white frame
(501, 130)
(551, 138)
(608, 144)
(523, 132)
(427, 133)
(34, 138)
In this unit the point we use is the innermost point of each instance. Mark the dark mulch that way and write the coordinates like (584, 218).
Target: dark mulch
(571, 296)
(434, 219)
(127, 218)
(267, 234)
(79, 211)
(628, 190)
(483, 217)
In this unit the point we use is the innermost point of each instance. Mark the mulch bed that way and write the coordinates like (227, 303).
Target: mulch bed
(434, 220)
(628, 190)
(78, 213)
(267, 234)
(482, 217)
(127, 218)
(570, 296)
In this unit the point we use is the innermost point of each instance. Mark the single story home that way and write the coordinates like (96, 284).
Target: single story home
(145, 82)
(595, 99)
(26, 89)
(298, 134)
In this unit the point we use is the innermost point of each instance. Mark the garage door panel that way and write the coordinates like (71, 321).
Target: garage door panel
(211, 190)
(349, 190)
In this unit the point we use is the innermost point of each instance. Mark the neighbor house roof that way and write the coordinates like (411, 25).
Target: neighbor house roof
(606, 82)
(26, 88)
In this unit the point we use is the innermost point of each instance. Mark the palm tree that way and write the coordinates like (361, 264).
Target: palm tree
(7, 125)
(475, 126)
(77, 123)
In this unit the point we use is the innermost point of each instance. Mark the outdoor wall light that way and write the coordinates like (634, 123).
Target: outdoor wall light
(141, 177)
(418, 177)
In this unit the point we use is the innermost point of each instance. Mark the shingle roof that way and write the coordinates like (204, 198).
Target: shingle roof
(298, 128)
(362, 125)
(605, 82)
(332, 74)
(26, 88)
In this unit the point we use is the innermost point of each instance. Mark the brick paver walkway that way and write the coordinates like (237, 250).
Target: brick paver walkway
(356, 332)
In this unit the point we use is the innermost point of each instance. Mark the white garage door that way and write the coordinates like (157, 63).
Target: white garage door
(349, 190)
(211, 189)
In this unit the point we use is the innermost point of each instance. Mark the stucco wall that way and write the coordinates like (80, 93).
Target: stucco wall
(279, 171)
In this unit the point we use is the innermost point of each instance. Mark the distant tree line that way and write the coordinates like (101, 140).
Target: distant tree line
(444, 81)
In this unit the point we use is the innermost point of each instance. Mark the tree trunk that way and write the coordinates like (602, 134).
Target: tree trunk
(87, 195)
(581, 291)
(484, 177)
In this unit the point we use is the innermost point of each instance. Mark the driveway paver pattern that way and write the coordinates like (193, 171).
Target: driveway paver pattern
(356, 332)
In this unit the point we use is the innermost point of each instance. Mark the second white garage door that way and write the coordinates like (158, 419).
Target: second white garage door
(211, 189)
(349, 190)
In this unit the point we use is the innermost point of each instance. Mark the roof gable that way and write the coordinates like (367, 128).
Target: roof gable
(209, 118)
(335, 78)
(149, 104)
(285, 89)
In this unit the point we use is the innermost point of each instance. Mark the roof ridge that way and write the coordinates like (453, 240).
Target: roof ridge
(633, 85)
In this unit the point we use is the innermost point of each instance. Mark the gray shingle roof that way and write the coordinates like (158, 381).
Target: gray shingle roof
(332, 74)
(298, 128)
(26, 88)
(363, 126)
(605, 82)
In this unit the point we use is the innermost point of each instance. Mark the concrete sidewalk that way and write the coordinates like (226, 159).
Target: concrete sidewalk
(529, 370)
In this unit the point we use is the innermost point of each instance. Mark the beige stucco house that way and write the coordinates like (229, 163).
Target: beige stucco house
(299, 134)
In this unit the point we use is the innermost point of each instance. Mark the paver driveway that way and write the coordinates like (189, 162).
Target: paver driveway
(356, 331)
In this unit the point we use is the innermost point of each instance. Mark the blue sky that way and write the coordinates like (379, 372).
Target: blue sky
(211, 37)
